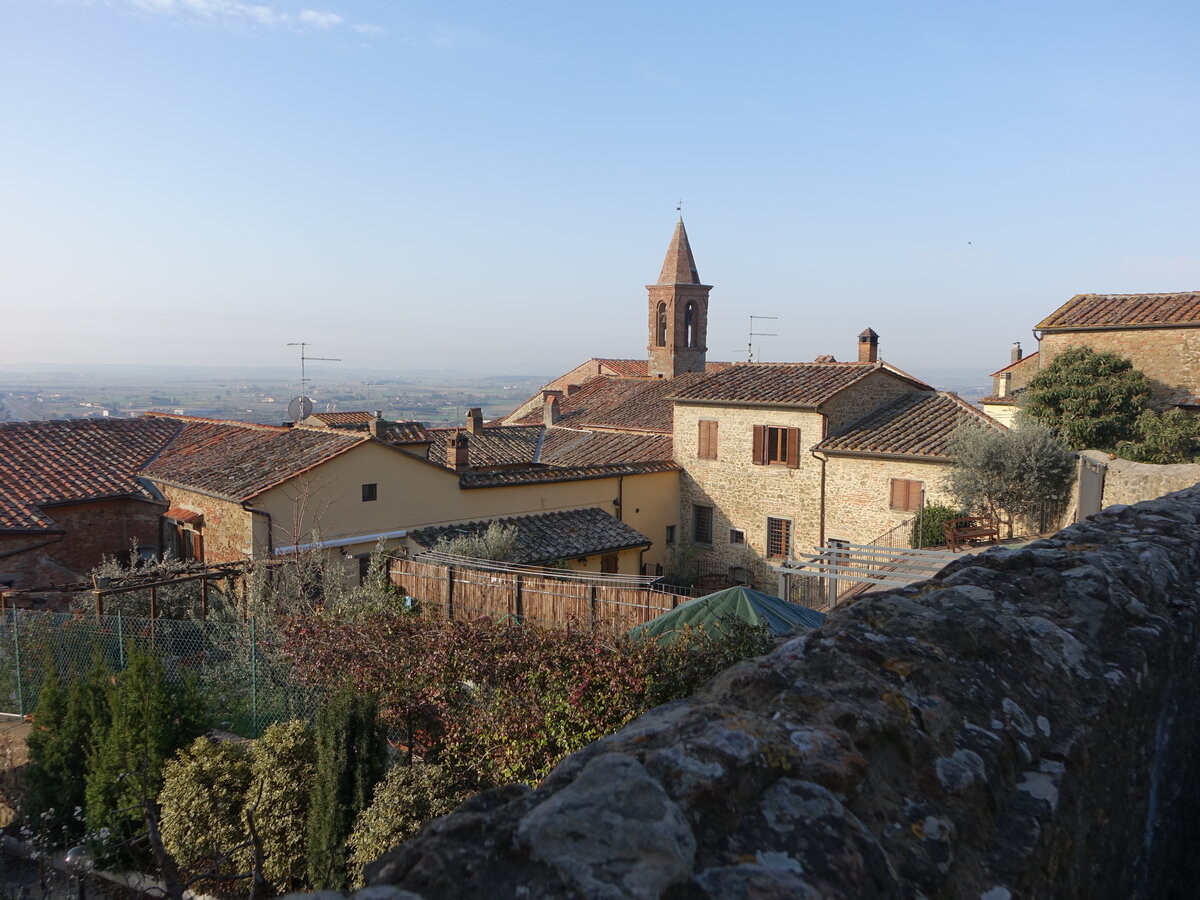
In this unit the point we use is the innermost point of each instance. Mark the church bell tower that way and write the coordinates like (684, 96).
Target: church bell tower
(678, 313)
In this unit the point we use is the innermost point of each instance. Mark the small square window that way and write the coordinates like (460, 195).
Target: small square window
(670, 534)
(370, 492)
(737, 536)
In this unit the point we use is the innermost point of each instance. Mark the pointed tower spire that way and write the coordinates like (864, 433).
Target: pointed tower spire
(679, 267)
(678, 313)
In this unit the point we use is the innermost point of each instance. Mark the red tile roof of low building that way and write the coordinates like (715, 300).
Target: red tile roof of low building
(627, 404)
(548, 537)
(1124, 311)
(43, 464)
(334, 419)
(239, 461)
(916, 425)
(509, 445)
(776, 384)
(568, 447)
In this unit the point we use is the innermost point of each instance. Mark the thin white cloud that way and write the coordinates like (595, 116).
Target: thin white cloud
(234, 12)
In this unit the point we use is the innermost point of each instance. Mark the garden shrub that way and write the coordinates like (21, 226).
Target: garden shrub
(928, 529)
(202, 801)
(281, 764)
(407, 798)
(1167, 437)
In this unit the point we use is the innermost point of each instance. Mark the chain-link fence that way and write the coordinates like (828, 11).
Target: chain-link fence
(237, 666)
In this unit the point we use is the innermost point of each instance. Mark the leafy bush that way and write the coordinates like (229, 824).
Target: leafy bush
(202, 809)
(281, 766)
(498, 542)
(928, 527)
(1091, 400)
(407, 798)
(1167, 437)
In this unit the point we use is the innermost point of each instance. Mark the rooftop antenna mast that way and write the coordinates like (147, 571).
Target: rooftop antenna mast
(301, 407)
(754, 334)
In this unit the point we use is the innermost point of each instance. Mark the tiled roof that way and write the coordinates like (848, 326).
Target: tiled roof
(551, 474)
(547, 537)
(336, 419)
(777, 384)
(47, 463)
(635, 404)
(566, 447)
(679, 266)
(511, 445)
(1124, 311)
(917, 424)
(240, 461)
(630, 368)
(401, 433)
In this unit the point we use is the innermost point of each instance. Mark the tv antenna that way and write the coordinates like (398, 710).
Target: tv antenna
(754, 334)
(301, 407)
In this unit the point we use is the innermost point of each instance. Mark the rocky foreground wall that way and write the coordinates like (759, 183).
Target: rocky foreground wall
(1023, 725)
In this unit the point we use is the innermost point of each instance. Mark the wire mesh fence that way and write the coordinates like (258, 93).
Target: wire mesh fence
(244, 680)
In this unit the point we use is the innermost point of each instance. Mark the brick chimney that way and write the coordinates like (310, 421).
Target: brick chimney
(1003, 380)
(550, 411)
(868, 346)
(1016, 352)
(457, 453)
(475, 420)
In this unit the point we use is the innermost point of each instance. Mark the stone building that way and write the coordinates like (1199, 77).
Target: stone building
(1158, 333)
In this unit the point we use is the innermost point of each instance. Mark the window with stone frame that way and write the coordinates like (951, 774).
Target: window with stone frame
(906, 494)
(702, 524)
(776, 445)
(706, 439)
(779, 538)
(737, 536)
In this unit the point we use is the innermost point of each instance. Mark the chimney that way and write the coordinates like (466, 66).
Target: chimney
(379, 413)
(550, 412)
(1003, 380)
(868, 346)
(457, 452)
(475, 420)
(1016, 352)
(571, 389)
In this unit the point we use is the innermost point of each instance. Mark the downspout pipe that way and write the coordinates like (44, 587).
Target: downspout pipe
(821, 514)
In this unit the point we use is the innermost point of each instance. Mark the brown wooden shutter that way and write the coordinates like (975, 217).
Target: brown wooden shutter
(793, 448)
(760, 445)
(706, 447)
(712, 439)
(914, 495)
(197, 546)
(896, 501)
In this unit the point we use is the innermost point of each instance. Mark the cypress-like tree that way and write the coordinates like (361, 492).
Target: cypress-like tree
(351, 759)
(148, 719)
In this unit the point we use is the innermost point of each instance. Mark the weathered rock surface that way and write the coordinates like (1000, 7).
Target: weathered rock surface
(1023, 725)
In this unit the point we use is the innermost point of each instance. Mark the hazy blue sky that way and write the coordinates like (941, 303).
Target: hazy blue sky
(490, 185)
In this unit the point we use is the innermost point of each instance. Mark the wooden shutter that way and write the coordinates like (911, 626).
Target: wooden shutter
(793, 448)
(914, 495)
(197, 546)
(760, 445)
(896, 500)
(706, 447)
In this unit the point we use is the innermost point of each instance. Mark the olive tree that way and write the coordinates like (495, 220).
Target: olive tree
(1010, 474)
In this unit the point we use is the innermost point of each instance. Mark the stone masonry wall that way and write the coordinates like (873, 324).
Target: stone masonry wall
(743, 495)
(1024, 725)
(858, 494)
(226, 528)
(1127, 482)
(1169, 356)
(876, 390)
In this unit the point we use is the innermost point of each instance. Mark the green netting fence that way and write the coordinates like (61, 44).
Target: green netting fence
(246, 682)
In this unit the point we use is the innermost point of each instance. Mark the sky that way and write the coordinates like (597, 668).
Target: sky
(489, 186)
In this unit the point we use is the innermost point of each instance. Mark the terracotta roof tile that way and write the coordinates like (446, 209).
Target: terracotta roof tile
(509, 445)
(239, 461)
(337, 419)
(551, 474)
(1124, 311)
(547, 537)
(566, 447)
(917, 424)
(47, 463)
(777, 384)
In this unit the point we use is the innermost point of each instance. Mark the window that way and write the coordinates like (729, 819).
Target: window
(706, 442)
(670, 534)
(737, 536)
(689, 324)
(370, 492)
(660, 326)
(189, 543)
(608, 564)
(906, 495)
(702, 522)
(776, 446)
(779, 538)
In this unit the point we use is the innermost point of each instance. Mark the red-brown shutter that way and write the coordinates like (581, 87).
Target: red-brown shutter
(896, 501)
(914, 495)
(712, 439)
(760, 445)
(793, 448)
(197, 546)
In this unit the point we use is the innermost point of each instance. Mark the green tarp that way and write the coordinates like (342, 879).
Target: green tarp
(745, 603)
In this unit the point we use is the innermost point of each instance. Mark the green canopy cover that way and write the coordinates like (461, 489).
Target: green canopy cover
(745, 603)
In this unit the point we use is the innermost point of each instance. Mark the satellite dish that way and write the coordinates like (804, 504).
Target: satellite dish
(299, 408)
